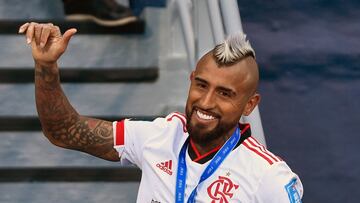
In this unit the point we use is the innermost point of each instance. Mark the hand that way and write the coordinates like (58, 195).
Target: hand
(46, 41)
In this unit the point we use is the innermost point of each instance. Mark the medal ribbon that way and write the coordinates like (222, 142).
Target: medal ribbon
(209, 170)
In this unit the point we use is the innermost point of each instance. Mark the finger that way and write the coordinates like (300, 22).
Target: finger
(44, 35)
(38, 30)
(55, 31)
(68, 34)
(23, 27)
(30, 33)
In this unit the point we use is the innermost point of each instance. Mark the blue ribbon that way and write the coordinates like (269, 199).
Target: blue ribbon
(209, 170)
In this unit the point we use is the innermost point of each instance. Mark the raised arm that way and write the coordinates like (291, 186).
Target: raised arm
(61, 124)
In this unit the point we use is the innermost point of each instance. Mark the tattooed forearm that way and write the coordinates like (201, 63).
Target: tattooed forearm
(47, 76)
(62, 125)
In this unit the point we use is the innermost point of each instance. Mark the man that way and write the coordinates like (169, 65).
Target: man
(205, 156)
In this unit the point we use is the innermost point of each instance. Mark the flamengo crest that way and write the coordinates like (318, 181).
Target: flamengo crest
(221, 190)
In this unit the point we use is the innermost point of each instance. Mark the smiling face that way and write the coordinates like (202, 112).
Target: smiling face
(218, 96)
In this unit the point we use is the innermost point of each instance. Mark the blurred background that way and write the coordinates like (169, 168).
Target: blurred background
(309, 64)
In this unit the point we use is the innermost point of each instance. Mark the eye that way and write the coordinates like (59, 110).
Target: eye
(201, 85)
(224, 93)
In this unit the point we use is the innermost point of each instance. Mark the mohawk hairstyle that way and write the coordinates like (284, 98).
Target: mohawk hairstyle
(233, 49)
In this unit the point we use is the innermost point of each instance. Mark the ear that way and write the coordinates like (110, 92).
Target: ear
(251, 104)
(192, 75)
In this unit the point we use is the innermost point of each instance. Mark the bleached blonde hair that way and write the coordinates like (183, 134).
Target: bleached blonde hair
(233, 49)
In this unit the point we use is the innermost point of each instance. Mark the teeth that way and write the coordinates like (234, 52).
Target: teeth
(204, 116)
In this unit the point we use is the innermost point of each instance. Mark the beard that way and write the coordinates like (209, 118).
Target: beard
(199, 134)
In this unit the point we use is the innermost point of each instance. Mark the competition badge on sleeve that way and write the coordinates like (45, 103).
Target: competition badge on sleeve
(293, 194)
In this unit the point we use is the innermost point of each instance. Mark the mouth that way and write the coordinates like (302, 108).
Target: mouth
(204, 115)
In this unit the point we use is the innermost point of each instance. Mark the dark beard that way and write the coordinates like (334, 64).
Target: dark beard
(204, 138)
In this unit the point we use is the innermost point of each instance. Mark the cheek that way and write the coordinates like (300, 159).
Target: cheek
(193, 96)
(231, 111)
(190, 100)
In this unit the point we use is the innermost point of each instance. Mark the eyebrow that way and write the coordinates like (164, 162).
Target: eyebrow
(200, 80)
(232, 92)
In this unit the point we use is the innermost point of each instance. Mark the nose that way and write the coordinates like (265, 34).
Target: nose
(207, 100)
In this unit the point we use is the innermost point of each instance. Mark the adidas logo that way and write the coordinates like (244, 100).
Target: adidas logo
(165, 166)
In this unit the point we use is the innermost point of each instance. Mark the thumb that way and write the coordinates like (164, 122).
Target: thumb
(68, 34)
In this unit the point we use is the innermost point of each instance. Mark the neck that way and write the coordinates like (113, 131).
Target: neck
(204, 148)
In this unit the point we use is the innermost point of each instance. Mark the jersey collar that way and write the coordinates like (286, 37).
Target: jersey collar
(201, 159)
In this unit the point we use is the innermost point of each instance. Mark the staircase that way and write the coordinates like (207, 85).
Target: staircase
(134, 71)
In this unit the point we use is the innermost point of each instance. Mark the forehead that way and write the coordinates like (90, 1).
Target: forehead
(234, 77)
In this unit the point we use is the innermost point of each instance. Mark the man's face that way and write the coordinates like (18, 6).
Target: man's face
(218, 97)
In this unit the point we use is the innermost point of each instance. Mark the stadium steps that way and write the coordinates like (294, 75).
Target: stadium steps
(81, 75)
(308, 54)
(108, 73)
(32, 123)
(136, 27)
(69, 174)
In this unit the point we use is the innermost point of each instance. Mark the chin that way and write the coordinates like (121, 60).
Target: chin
(203, 135)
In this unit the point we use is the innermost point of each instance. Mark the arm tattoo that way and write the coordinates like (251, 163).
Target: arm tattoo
(84, 134)
(48, 77)
(63, 125)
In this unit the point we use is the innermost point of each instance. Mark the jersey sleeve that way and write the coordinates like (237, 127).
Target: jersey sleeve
(279, 185)
(130, 138)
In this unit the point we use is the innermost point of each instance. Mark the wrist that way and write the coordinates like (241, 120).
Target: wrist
(45, 64)
(47, 71)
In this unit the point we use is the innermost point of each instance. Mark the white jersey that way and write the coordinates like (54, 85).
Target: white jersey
(250, 173)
